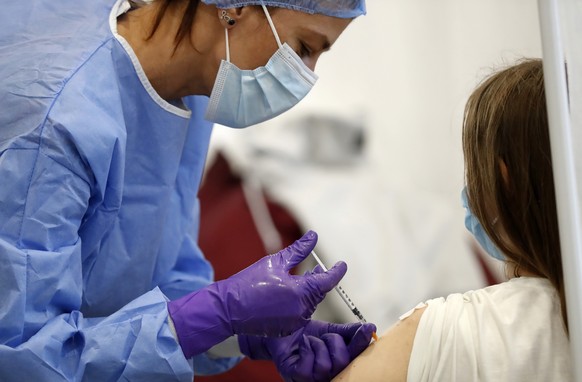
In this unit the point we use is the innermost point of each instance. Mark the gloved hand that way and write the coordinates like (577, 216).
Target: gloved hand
(263, 299)
(316, 352)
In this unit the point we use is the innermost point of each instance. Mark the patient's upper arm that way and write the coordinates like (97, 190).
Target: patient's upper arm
(387, 359)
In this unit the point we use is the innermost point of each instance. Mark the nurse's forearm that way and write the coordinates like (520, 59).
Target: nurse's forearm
(134, 343)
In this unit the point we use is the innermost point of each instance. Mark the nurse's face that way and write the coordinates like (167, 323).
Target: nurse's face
(252, 42)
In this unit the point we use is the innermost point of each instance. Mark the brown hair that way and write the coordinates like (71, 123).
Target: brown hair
(187, 18)
(506, 124)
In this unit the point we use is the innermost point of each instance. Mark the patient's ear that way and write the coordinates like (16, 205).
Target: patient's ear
(504, 172)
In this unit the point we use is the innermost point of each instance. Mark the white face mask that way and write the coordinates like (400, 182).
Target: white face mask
(242, 98)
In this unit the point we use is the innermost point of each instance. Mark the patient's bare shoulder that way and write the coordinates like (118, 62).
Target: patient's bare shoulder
(387, 359)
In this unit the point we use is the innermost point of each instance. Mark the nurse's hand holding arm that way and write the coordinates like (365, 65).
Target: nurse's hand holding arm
(263, 299)
(316, 352)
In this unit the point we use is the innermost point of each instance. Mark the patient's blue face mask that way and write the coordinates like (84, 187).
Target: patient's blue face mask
(242, 98)
(475, 227)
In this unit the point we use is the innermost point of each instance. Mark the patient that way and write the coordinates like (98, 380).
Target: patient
(516, 330)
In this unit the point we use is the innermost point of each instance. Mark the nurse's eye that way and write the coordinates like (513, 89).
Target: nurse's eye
(304, 50)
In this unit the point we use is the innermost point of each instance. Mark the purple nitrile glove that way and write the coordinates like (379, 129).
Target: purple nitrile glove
(316, 352)
(263, 299)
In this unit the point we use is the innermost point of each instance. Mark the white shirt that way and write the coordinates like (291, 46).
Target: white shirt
(507, 332)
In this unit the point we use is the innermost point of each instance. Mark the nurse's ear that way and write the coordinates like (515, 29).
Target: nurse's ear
(229, 17)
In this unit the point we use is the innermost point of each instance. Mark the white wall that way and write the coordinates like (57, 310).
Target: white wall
(407, 68)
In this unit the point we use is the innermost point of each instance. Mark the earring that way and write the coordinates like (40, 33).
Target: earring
(224, 16)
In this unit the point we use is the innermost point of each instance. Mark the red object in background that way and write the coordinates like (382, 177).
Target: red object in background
(229, 239)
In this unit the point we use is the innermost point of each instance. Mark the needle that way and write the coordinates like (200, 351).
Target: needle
(345, 296)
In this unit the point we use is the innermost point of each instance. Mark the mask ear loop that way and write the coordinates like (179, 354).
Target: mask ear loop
(227, 45)
(271, 24)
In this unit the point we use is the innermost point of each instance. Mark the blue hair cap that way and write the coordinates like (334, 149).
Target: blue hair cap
(345, 9)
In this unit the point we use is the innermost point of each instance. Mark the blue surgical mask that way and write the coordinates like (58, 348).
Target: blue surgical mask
(242, 98)
(475, 227)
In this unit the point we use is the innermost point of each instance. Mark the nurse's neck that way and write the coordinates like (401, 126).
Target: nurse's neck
(173, 70)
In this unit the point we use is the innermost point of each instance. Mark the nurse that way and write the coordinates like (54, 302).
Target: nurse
(104, 129)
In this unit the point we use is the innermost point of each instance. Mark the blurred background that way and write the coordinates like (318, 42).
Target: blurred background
(371, 159)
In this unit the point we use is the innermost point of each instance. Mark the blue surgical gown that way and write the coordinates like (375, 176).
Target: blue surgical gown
(98, 202)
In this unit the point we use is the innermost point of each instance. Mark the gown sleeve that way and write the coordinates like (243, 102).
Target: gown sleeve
(191, 270)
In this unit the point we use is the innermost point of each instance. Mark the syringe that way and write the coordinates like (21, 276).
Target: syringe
(348, 301)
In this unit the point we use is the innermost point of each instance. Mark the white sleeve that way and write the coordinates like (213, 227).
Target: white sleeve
(507, 332)
(443, 346)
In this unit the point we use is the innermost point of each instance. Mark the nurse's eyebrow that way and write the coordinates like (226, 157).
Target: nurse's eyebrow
(323, 40)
